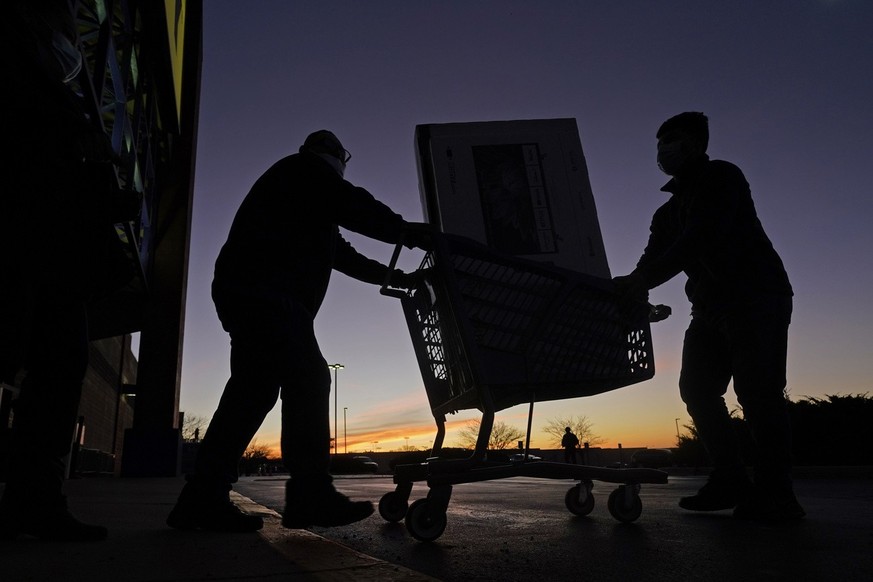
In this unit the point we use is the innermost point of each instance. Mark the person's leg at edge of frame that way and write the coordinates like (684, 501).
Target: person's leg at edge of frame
(703, 382)
(45, 415)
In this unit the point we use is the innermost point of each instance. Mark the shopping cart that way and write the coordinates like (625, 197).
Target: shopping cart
(491, 331)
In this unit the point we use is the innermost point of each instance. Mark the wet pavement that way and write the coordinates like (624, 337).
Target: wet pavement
(520, 529)
(507, 530)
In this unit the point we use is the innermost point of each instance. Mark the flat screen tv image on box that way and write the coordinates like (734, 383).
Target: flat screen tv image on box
(515, 206)
(520, 187)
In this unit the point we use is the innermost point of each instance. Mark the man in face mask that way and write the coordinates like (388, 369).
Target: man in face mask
(677, 148)
(326, 146)
(270, 279)
(741, 302)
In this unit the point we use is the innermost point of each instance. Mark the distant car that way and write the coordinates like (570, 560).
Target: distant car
(351, 465)
(369, 464)
(418, 457)
(519, 458)
(652, 458)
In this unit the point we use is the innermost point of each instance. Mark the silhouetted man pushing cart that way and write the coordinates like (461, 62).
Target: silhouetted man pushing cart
(270, 279)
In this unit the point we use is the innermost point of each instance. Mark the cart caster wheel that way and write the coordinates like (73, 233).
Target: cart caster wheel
(579, 499)
(424, 522)
(392, 507)
(619, 508)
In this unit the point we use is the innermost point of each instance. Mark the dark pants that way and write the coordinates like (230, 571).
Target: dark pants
(570, 455)
(749, 347)
(273, 352)
(55, 359)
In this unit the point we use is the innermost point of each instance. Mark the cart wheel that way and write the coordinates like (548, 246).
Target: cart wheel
(576, 503)
(423, 522)
(393, 506)
(619, 508)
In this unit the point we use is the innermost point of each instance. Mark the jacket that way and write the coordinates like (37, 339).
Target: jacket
(709, 230)
(285, 240)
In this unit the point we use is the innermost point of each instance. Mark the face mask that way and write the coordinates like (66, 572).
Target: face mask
(335, 163)
(671, 158)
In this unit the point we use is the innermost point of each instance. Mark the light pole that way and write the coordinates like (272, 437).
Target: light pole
(345, 434)
(336, 368)
(677, 432)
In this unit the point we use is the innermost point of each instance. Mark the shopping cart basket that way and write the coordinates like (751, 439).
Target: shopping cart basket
(491, 331)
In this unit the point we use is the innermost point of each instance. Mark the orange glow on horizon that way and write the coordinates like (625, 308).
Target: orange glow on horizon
(420, 437)
(416, 437)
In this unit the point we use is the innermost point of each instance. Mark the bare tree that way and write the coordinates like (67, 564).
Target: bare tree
(254, 456)
(580, 425)
(193, 427)
(502, 435)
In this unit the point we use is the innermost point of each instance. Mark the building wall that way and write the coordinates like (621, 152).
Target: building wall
(130, 85)
(105, 410)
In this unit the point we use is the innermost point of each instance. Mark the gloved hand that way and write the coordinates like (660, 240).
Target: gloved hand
(418, 235)
(659, 313)
(401, 280)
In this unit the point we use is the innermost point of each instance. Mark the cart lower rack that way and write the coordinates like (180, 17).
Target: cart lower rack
(492, 331)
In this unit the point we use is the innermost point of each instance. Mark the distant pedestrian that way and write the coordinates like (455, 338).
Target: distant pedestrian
(570, 442)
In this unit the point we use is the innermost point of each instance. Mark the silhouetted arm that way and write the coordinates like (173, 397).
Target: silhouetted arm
(355, 209)
(705, 228)
(352, 263)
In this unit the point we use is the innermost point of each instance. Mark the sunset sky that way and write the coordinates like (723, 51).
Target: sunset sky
(786, 85)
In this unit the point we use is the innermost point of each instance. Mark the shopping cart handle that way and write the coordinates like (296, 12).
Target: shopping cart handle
(414, 235)
(386, 288)
(393, 292)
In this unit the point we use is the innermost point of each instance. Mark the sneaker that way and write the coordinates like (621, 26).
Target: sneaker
(327, 509)
(46, 521)
(722, 491)
(196, 510)
(764, 506)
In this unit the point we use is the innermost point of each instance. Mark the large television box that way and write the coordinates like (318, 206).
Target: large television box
(520, 187)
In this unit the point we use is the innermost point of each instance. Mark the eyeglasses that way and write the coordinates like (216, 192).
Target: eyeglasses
(346, 156)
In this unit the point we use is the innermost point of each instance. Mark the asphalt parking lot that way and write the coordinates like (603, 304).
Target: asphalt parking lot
(519, 529)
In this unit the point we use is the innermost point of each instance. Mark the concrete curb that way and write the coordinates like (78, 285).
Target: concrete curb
(320, 558)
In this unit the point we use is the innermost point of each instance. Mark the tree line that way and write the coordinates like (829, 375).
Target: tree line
(834, 430)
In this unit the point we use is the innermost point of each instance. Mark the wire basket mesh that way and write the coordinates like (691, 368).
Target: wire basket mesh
(489, 327)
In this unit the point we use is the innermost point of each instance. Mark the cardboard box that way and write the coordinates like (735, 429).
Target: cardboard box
(520, 187)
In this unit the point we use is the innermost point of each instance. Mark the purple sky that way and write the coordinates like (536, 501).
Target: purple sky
(786, 85)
